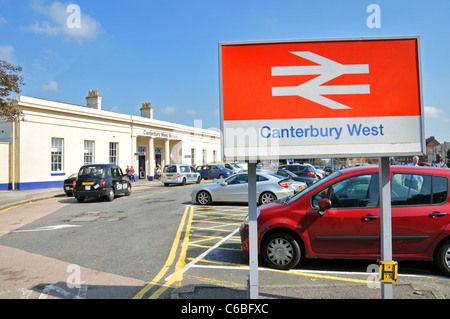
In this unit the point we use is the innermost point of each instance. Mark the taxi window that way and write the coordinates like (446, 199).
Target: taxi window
(170, 169)
(184, 169)
(92, 171)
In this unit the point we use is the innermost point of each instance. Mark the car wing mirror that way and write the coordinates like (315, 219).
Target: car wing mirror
(324, 204)
(223, 183)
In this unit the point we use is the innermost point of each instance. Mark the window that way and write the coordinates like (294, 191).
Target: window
(113, 152)
(415, 189)
(354, 192)
(204, 157)
(440, 189)
(214, 156)
(185, 169)
(88, 152)
(237, 179)
(193, 156)
(57, 155)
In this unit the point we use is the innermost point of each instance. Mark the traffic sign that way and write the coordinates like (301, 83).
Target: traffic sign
(309, 98)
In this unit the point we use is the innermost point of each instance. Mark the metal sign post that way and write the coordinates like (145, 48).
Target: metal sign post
(386, 227)
(253, 231)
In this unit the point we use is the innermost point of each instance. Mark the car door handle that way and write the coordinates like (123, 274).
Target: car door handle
(437, 214)
(368, 218)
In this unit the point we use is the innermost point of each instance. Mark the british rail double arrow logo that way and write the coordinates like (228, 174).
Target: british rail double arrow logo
(314, 90)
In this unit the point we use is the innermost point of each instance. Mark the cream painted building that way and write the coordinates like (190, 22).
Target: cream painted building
(55, 139)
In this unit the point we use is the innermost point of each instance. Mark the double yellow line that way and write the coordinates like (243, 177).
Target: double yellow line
(178, 274)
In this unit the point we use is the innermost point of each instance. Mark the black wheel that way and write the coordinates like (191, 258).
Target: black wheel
(166, 184)
(199, 179)
(183, 182)
(267, 197)
(281, 251)
(128, 191)
(110, 195)
(442, 258)
(80, 199)
(204, 198)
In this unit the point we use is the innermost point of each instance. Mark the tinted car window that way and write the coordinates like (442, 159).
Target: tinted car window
(440, 189)
(92, 171)
(354, 192)
(170, 169)
(411, 189)
(184, 169)
(237, 179)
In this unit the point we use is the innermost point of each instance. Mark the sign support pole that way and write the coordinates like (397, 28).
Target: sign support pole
(386, 225)
(253, 231)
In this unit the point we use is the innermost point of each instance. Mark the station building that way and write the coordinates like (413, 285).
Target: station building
(55, 139)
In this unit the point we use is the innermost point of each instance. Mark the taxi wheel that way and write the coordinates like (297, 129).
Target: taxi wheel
(80, 199)
(110, 195)
(183, 182)
(128, 192)
(442, 258)
(267, 197)
(199, 179)
(204, 198)
(281, 251)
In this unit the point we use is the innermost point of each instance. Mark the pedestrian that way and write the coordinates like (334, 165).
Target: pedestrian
(132, 173)
(158, 171)
(127, 171)
(438, 162)
(415, 161)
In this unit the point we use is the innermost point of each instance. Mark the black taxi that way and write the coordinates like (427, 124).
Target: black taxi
(96, 180)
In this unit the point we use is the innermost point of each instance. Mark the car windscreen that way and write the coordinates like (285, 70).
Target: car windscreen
(310, 188)
(92, 172)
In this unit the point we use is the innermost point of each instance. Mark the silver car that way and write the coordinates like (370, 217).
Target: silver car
(269, 187)
(179, 174)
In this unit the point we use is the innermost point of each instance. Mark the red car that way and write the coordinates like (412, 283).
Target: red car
(339, 218)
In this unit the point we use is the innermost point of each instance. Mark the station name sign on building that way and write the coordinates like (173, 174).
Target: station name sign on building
(325, 97)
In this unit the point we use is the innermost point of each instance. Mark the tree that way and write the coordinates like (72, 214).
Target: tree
(10, 81)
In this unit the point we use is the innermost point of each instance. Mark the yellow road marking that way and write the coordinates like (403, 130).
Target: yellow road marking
(177, 276)
(170, 259)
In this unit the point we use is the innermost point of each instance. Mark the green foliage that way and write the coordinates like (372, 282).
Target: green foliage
(10, 82)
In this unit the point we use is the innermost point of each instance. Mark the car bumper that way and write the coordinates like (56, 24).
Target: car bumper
(91, 193)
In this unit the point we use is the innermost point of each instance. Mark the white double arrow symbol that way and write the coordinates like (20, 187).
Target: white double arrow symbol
(327, 70)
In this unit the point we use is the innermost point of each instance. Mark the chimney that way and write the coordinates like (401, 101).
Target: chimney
(147, 110)
(94, 100)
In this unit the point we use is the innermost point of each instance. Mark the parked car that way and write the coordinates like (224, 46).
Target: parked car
(213, 171)
(269, 187)
(287, 173)
(234, 167)
(179, 174)
(328, 170)
(96, 180)
(339, 217)
(68, 184)
(301, 170)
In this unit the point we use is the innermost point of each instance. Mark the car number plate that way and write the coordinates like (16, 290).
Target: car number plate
(88, 183)
(169, 175)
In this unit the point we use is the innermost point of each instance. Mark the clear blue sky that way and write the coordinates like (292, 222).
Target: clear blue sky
(166, 52)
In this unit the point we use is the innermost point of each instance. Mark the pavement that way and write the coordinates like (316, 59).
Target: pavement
(408, 287)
